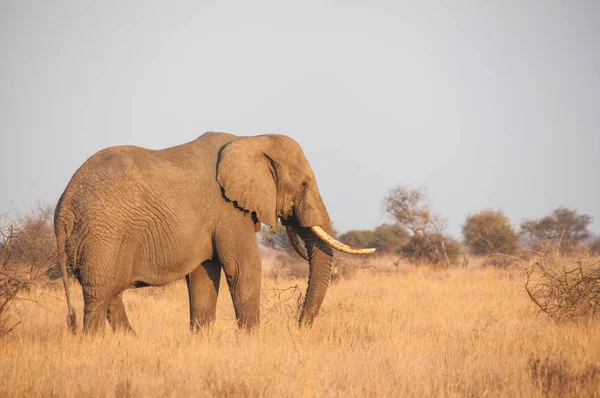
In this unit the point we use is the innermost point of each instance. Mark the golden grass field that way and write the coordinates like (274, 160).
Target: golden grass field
(393, 332)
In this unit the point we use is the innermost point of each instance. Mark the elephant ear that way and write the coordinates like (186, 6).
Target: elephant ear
(247, 177)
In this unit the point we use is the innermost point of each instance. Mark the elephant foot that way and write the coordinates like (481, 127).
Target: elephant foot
(117, 317)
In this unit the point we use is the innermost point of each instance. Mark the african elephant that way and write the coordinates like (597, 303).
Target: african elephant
(133, 217)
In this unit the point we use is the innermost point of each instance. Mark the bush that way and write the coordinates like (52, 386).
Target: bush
(35, 243)
(434, 249)
(385, 238)
(489, 232)
(565, 288)
(564, 229)
(27, 253)
(411, 210)
(356, 238)
(390, 237)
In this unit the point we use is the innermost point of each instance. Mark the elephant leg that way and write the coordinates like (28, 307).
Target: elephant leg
(101, 279)
(203, 289)
(239, 255)
(94, 312)
(117, 317)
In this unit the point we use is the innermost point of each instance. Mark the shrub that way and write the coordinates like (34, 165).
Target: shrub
(564, 228)
(428, 244)
(362, 238)
(27, 253)
(35, 244)
(565, 288)
(434, 249)
(489, 232)
(390, 237)
(385, 238)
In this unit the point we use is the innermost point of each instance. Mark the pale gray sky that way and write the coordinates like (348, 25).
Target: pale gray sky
(489, 104)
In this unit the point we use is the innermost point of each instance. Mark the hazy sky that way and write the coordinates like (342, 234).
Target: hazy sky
(488, 104)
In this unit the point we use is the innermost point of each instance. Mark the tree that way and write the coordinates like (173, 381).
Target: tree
(410, 208)
(490, 232)
(428, 243)
(563, 227)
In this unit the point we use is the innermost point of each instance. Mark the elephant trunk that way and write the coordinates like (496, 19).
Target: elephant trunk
(296, 242)
(320, 259)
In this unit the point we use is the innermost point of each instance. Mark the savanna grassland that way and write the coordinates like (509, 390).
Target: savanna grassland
(384, 331)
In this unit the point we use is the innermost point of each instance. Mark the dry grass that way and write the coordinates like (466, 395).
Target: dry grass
(406, 332)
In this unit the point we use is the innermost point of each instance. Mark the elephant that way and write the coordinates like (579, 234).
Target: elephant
(132, 217)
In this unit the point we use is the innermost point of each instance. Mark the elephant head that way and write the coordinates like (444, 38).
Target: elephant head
(270, 176)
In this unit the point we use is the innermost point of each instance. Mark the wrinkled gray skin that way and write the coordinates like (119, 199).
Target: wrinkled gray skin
(133, 217)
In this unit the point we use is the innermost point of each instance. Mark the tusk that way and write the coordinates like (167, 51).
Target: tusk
(296, 242)
(324, 236)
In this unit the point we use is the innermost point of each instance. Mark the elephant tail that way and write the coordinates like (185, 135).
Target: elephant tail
(60, 231)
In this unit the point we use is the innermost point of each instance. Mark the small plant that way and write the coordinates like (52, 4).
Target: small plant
(565, 288)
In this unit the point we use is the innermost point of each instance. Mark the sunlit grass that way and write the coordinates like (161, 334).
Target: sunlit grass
(408, 332)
